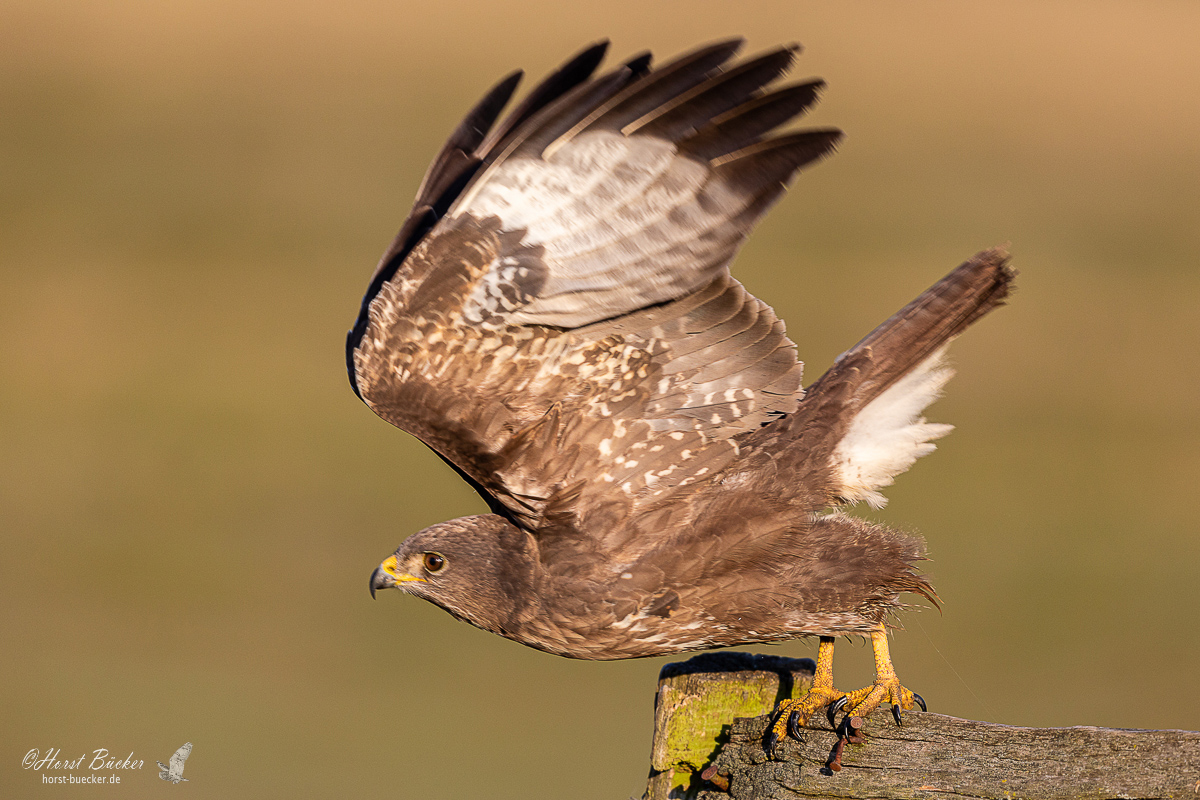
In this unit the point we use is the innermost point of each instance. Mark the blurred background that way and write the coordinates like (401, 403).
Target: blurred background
(193, 196)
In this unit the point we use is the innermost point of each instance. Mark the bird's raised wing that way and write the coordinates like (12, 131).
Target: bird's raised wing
(556, 318)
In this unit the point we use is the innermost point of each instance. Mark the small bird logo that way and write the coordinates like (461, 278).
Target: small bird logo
(174, 772)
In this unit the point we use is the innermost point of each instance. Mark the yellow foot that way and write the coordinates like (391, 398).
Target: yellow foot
(794, 714)
(791, 715)
(885, 688)
(862, 702)
(865, 700)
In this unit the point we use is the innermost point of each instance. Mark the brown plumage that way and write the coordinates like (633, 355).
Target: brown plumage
(557, 320)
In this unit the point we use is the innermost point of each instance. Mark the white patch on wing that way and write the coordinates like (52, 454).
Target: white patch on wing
(889, 434)
(579, 185)
(622, 222)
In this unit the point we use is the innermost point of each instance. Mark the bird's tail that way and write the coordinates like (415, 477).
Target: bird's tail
(913, 335)
(863, 416)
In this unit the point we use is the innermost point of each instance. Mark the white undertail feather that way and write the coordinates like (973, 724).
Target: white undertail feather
(890, 434)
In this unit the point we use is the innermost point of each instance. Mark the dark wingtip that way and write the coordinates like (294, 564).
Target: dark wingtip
(640, 64)
(502, 92)
(588, 59)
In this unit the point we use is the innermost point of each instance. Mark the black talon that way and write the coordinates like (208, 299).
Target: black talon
(770, 741)
(896, 714)
(920, 701)
(844, 731)
(833, 708)
(793, 725)
(837, 706)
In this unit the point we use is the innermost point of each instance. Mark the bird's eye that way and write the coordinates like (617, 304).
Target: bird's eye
(434, 562)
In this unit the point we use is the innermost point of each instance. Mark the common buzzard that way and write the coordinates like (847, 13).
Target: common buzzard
(556, 319)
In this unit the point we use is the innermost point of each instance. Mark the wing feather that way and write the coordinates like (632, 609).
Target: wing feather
(744, 125)
(469, 147)
(661, 86)
(683, 115)
(572, 73)
(565, 331)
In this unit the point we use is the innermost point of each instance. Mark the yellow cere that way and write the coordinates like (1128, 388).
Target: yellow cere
(392, 568)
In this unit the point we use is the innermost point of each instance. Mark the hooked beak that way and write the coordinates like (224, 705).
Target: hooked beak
(389, 574)
(380, 580)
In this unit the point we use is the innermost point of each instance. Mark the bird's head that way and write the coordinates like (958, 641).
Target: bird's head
(477, 568)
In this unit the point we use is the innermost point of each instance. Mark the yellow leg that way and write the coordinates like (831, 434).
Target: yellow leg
(794, 714)
(886, 686)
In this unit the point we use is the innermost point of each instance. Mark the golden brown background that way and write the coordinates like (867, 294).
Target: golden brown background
(193, 195)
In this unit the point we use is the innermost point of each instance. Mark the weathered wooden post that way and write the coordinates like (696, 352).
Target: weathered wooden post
(712, 713)
(697, 701)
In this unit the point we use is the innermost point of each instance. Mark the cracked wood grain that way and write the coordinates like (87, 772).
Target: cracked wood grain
(931, 756)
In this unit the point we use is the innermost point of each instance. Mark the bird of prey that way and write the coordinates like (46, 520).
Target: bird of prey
(557, 320)
(174, 772)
